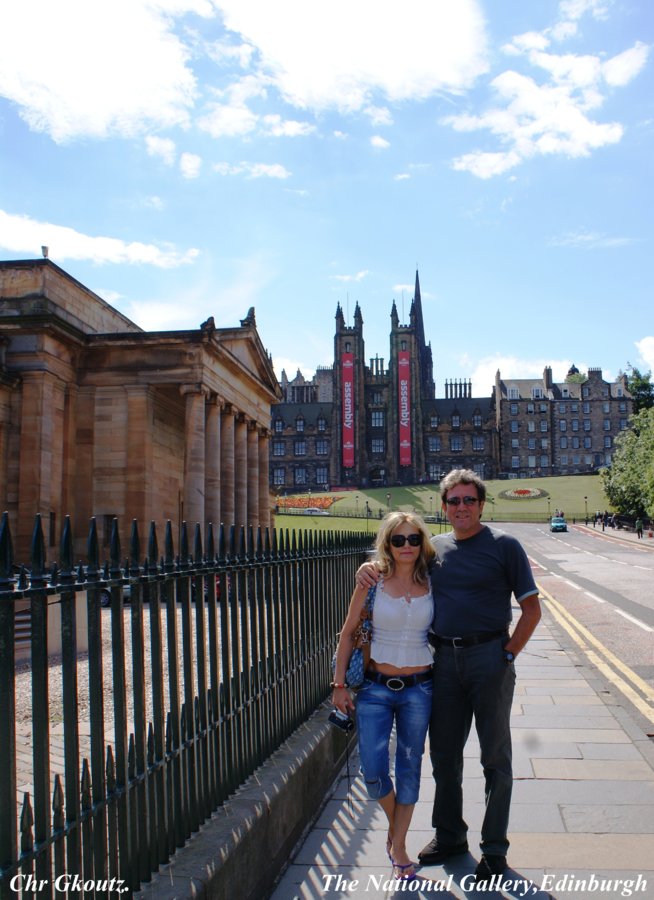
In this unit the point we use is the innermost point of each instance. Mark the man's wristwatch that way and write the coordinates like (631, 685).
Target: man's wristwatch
(508, 656)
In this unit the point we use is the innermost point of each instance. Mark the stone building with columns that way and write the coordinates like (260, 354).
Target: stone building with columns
(100, 418)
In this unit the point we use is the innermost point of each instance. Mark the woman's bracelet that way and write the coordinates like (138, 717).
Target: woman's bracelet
(335, 685)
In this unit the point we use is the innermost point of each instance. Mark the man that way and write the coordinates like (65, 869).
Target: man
(477, 571)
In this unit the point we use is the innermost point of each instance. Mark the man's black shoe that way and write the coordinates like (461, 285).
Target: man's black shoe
(489, 865)
(434, 853)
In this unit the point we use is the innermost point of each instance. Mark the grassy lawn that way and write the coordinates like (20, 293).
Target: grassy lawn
(563, 492)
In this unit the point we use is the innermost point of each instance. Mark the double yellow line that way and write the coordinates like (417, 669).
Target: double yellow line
(621, 676)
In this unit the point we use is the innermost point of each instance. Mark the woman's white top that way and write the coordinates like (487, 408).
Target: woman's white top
(400, 628)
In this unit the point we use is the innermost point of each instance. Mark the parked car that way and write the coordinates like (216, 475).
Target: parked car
(558, 524)
(314, 511)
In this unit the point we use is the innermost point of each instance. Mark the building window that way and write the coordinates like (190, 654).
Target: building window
(434, 443)
(279, 426)
(574, 407)
(300, 448)
(531, 462)
(322, 424)
(531, 443)
(515, 462)
(300, 475)
(433, 422)
(543, 425)
(278, 448)
(456, 442)
(514, 426)
(565, 392)
(299, 424)
(377, 418)
(531, 425)
(377, 398)
(515, 443)
(530, 409)
(575, 424)
(623, 424)
(564, 460)
(587, 425)
(544, 462)
(585, 408)
(543, 407)
(322, 447)
(478, 442)
(588, 443)
(563, 443)
(607, 440)
(562, 425)
(456, 421)
(377, 445)
(622, 407)
(537, 393)
(562, 408)
(544, 443)
(514, 409)
(607, 424)
(322, 475)
(585, 392)
(514, 393)
(476, 420)
(279, 476)
(574, 443)
(434, 472)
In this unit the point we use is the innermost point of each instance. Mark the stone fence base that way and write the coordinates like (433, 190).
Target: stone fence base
(245, 845)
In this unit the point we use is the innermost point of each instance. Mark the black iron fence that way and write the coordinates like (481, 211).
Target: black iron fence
(199, 668)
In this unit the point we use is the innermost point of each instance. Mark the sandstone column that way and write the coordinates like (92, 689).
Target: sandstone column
(194, 450)
(253, 475)
(227, 508)
(212, 456)
(241, 470)
(264, 476)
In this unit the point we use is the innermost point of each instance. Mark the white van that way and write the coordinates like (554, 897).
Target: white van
(314, 511)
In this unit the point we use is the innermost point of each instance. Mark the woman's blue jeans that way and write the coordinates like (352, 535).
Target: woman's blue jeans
(472, 682)
(378, 708)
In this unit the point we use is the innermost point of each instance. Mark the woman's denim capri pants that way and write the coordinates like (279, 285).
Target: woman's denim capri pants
(377, 708)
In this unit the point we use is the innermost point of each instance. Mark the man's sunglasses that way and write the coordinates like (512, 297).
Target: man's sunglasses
(399, 540)
(467, 501)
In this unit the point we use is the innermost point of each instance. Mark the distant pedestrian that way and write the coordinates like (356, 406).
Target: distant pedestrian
(639, 527)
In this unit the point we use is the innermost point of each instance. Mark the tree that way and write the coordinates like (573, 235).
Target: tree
(629, 482)
(640, 387)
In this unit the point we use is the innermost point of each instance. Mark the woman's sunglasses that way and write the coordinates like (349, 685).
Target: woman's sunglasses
(399, 540)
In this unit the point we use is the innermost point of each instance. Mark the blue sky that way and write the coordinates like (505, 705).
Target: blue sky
(188, 158)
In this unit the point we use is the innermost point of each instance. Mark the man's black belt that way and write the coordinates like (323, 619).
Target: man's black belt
(470, 640)
(399, 682)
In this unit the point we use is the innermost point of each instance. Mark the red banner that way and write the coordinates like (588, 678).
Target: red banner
(347, 378)
(404, 401)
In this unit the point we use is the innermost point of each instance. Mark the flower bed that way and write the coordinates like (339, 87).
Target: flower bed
(305, 502)
(523, 494)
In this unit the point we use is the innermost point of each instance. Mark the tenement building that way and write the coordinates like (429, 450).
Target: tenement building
(378, 422)
(99, 418)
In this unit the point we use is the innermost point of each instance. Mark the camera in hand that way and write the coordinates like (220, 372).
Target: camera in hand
(345, 723)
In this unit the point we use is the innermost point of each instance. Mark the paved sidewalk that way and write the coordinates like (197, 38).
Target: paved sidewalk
(582, 820)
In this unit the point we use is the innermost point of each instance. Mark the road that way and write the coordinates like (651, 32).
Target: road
(600, 590)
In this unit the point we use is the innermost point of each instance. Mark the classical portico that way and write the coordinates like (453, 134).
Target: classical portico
(99, 418)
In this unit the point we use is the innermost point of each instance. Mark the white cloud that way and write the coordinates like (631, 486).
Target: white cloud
(356, 278)
(92, 70)
(402, 176)
(163, 148)
(20, 234)
(589, 240)
(379, 142)
(483, 373)
(277, 127)
(379, 115)
(532, 117)
(645, 347)
(623, 68)
(447, 41)
(253, 170)
(190, 165)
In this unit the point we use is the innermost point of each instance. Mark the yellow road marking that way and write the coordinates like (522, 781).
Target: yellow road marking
(607, 666)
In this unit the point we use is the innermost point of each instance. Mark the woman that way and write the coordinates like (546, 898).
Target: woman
(398, 682)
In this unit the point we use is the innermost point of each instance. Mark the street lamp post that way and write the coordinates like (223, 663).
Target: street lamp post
(586, 505)
(548, 510)
(431, 506)
(388, 500)
(356, 501)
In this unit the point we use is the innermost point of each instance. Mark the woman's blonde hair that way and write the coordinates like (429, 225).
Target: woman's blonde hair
(382, 552)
